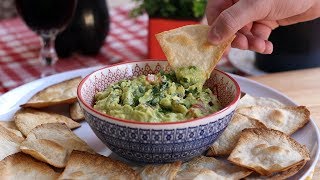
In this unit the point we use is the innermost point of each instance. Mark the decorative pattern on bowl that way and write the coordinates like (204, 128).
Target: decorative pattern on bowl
(156, 142)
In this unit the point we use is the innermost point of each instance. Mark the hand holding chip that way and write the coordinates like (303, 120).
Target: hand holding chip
(253, 21)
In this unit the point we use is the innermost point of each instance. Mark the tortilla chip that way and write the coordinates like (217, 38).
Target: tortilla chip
(223, 169)
(162, 171)
(247, 100)
(83, 165)
(199, 174)
(62, 93)
(267, 151)
(27, 119)
(46, 151)
(47, 141)
(188, 46)
(281, 175)
(286, 119)
(230, 136)
(9, 142)
(22, 166)
(76, 113)
(11, 126)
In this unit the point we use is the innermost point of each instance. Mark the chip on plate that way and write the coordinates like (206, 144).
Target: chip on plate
(267, 151)
(53, 143)
(62, 93)
(278, 176)
(199, 174)
(22, 166)
(160, 171)
(247, 100)
(188, 46)
(11, 126)
(9, 142)
(76, 113)
(230, 136)
(83, 165)
(223, 169)
(46, 151)
(27, 119)
(286, 119)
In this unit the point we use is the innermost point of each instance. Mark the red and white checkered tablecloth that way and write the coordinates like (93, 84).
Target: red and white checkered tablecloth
(19, 48)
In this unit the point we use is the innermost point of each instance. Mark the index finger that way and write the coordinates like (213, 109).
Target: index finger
(215, 7)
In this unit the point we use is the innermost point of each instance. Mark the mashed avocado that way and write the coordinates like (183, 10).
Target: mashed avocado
(163, 97)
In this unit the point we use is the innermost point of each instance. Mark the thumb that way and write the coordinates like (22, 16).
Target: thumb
(235, 17)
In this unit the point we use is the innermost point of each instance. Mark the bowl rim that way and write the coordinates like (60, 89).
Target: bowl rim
(234, 101)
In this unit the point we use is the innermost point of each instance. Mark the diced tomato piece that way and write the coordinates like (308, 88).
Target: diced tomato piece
(197, 106)
(151, 78)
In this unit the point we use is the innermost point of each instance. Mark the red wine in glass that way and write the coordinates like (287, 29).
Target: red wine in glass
(47, 18)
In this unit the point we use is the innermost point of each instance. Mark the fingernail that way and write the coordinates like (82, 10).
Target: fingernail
(214, 37)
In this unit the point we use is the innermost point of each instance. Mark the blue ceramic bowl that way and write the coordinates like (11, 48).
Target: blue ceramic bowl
(156, 142)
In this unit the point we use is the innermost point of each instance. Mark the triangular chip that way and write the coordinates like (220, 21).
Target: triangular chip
(199, 174)
(48, 139)
(46, 151)
(22, 166)
(160, 171)
(27, 119)
(287, 119)
(223, 169)
(11, 126)
(83, 165)
(61, 93)
(188, 46)
(9, 142)
(247, 100)
(76, 113)
(267, 151)
(230, 136)
(278, 176)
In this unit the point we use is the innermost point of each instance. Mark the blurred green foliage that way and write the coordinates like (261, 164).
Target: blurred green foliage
(177, 9)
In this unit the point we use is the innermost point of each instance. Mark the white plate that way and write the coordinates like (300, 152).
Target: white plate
(9, 104)
(244, 61)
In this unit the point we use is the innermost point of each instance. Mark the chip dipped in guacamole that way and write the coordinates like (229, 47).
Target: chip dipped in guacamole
(163, 97)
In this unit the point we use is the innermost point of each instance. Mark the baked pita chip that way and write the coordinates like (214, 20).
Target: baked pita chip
(230, 136)
(267, 151)
(11, 126)
(286, 119)
(188, 46)
(9, 142)
(281, 175)
(22, 166)
(76, 113)
(83, 165)
(27, 119)
(62, 93)
(162, 171)
(53, 143)
(247, 100)
(199, 174)
(46, 151)
(223, 169)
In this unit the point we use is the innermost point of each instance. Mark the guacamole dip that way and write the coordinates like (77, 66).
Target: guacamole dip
(162, 97)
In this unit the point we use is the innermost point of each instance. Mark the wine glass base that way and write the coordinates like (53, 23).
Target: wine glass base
(48, 71)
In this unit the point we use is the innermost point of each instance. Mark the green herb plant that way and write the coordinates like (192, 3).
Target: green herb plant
(174, 9)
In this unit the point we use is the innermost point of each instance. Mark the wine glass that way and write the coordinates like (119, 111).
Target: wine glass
(47, 18)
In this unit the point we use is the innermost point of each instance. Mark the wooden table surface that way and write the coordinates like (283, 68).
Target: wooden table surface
(303, 87)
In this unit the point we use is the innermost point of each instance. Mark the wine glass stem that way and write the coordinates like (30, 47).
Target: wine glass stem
(48, 55)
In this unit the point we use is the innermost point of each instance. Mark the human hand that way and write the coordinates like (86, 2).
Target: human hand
(253, 20)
